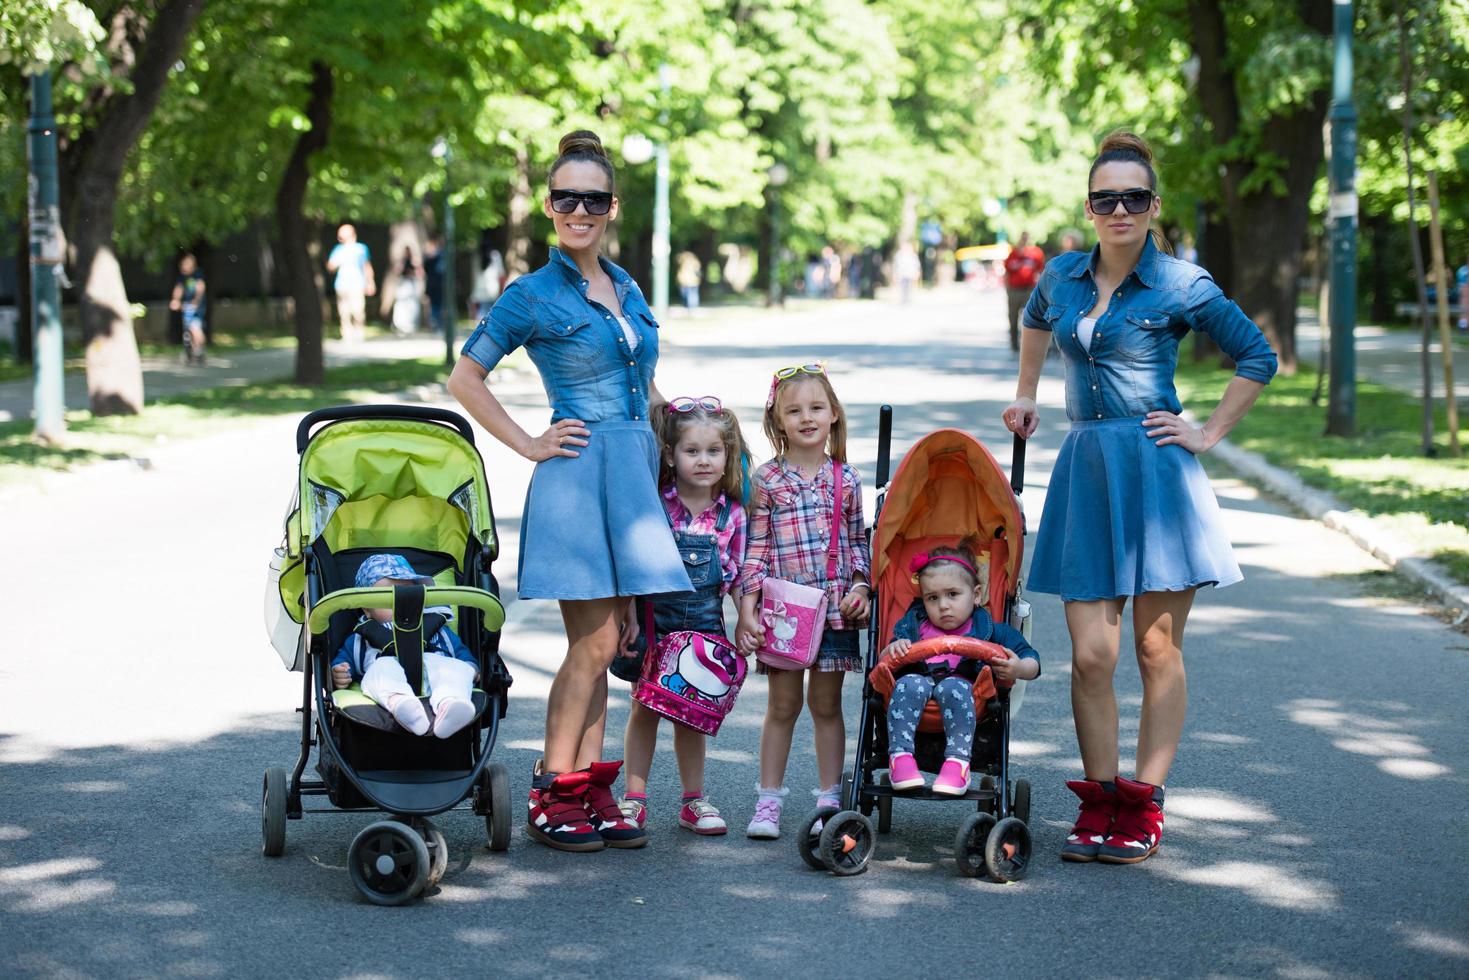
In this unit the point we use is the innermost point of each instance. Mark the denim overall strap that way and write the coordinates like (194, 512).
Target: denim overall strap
(722, 521)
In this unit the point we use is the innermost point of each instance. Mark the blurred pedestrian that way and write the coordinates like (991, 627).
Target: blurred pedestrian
(407, 302)
(1022, 268)
(906, 270)
(487, 284)
(354, 282)
(1461, 275)
(433, 282)
(690, 276)
(188, 301)
(833, 279)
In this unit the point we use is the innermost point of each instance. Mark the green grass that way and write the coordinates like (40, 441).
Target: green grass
(1381, 471)
(74, 355)
(89, 439)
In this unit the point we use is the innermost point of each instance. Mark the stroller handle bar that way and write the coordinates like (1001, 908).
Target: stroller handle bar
(413, 413)
(433, 595)
(1017, 465)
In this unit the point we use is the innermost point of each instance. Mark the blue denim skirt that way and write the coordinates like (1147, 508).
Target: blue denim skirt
(1124, 516)
(594, 526)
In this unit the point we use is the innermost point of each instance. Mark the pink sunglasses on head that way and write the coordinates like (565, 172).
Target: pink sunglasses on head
(684, 403)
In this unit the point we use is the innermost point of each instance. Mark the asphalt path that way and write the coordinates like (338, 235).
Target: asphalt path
(1316, 815)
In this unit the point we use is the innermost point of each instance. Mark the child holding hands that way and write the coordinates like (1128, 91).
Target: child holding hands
(793, 497)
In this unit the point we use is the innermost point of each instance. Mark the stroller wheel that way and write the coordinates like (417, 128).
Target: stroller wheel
(388, 862)
(496, 781)
(969, 844)
(846, 843)
(808, 838)
(1007, 850)
(438, 852)
(273, 812)
(1020, 807)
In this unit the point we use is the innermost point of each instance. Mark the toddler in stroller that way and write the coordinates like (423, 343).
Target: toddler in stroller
(368, 656)
(951, 600)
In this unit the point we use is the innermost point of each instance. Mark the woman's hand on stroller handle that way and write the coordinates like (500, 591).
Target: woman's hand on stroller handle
(1022, 417)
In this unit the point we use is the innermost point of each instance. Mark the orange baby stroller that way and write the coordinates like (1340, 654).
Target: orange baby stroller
(948, 488)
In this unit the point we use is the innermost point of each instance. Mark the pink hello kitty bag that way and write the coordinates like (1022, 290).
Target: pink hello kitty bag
(794, 616)
(691, 678)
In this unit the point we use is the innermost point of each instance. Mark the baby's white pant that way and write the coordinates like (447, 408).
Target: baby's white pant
(447, 678)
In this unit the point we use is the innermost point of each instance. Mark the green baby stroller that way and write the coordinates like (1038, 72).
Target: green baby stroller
(405, 480)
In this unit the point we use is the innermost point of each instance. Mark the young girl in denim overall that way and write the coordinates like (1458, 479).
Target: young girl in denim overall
(792, 500)
(701, 477)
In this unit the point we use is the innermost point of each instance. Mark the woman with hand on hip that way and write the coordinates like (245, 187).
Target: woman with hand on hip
(593, 535)
(1129, 512)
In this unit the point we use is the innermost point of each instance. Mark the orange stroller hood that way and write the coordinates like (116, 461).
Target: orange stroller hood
(948, 487)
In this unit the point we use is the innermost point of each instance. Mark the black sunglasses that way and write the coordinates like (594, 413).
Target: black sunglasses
(1136, 201)
(565, 202)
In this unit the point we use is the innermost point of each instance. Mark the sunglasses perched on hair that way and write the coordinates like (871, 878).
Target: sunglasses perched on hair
(686, 404)
(596, 202)
(795, 369)
(1136, 201)
(786, 373)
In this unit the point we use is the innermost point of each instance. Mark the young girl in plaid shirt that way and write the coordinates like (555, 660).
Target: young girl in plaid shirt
(790, 513)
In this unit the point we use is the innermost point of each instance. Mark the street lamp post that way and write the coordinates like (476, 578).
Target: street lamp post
(660, 207)
(441, 151)
(777, 175)
(47, 254)
(1341, 410)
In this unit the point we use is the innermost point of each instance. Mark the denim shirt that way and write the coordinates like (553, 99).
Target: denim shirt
(575, 342)
(1128, 370)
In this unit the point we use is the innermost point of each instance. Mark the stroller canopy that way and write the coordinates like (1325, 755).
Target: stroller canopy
(948, 487)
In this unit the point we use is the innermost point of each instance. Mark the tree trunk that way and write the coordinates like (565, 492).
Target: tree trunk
(1268, 228)
(95, 164)
(1378, 231)
(290, 216)
(24, 339)
(1216, 253)
(517, 251)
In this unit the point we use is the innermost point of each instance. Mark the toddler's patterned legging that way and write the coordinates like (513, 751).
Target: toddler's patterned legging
(955, 698)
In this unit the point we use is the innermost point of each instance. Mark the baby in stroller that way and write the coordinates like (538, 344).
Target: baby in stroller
(448, 666)
(952, 594)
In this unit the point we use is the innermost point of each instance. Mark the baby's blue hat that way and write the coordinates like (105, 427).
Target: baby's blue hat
(388, 566)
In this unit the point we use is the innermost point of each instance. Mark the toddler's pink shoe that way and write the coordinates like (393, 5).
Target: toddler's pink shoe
(953, 778)
(903, 772)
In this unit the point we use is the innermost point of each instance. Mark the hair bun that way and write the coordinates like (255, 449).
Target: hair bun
(1124, 141)
(582, 142)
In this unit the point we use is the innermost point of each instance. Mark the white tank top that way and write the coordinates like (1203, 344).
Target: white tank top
(629, 333)
(1084, 328)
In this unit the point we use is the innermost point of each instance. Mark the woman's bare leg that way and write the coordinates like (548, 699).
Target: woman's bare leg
(1158, 619)
(1096, 632)
(577, 703)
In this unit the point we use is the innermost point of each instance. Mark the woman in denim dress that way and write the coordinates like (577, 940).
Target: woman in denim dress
(593, 535)
(1129, 511)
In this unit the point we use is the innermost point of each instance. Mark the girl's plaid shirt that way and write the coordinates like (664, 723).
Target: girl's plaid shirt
(790, 526)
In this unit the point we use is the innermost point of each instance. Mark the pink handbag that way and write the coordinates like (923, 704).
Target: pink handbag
(691, 678)
(793, 615)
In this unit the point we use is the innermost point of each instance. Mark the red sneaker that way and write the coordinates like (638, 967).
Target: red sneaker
(1138, 829)
(614, 827)
(1093, 821)
(558, 816)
